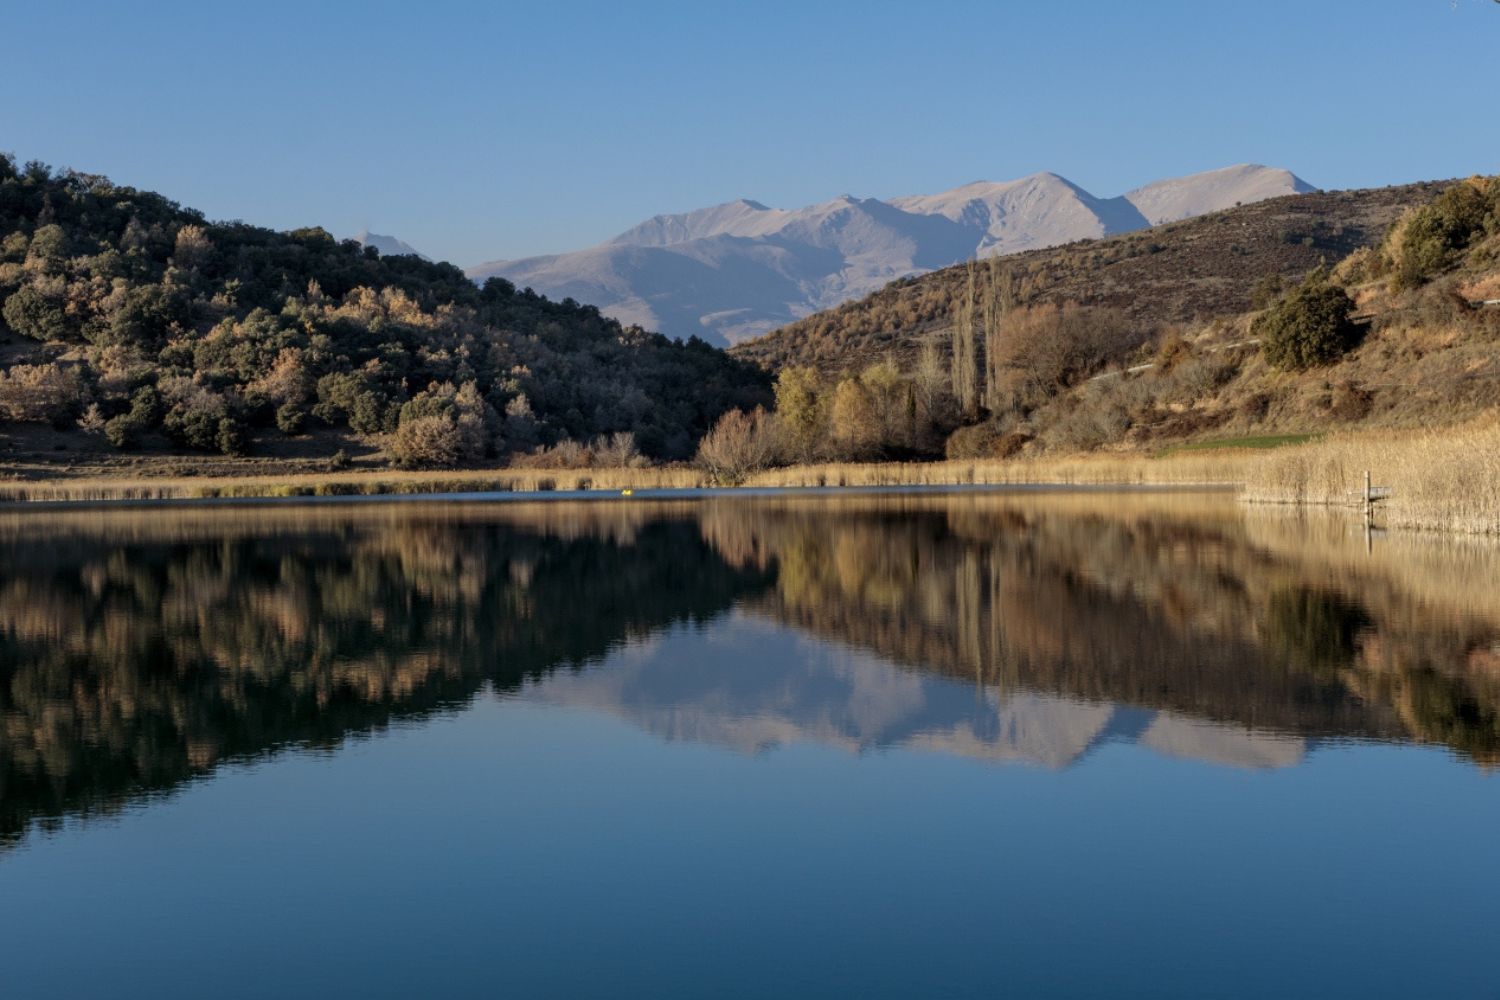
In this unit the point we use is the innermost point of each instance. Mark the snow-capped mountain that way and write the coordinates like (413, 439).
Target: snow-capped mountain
(736, 270)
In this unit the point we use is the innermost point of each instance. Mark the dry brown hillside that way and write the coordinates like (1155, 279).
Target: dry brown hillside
(1177, 273)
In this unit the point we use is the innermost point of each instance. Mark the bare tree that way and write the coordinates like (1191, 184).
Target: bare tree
(739, 444)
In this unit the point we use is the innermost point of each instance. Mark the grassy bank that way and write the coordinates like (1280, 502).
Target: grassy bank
(351, 483)
(1446, 479)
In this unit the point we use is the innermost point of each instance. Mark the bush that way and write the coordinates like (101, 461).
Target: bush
(1310, 326)
(122, 432)
(989, 440)
(1266, 291)
(32, 314)
(432, 440)
(44, 393)
(290, 418)
(1350, 401)
(1432, 238)
(194, 419)
(618, 451)
(230, 437)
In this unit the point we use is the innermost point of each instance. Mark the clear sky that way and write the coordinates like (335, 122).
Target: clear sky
(479, 131)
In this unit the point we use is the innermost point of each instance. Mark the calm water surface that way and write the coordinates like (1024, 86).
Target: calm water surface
(919, 746)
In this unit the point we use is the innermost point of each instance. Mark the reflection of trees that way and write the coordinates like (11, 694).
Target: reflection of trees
(136, 652)
(1152, 610)
(128, 667)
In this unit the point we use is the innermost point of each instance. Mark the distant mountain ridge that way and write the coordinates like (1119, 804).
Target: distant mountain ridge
(388, 246)
(733, 271)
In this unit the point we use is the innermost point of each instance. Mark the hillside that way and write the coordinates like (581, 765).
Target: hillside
(736, 270)
(132, 324)
(1175, 273)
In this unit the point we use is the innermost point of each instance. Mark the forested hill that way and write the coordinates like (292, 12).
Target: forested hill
(142, 323)
(1181, 272)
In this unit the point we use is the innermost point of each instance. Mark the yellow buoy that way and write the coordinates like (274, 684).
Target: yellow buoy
(626, 493)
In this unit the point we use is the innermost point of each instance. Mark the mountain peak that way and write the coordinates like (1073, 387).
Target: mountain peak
(739, 269)
(1211, 190)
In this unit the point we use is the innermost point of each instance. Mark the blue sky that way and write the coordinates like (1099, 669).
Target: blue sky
(477, 131)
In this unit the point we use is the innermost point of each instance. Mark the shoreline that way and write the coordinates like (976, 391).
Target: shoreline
(658, 494)
(1445, 480)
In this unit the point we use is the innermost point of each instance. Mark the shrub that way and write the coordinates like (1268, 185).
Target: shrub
(290, 418)
(122, 432)
(44, 393)
(230, 437)
(125, 430)
(33, 314)
(618, 451)
(93, 420)
(194, 418)
(1431, 239)
(1255, 407)
(1266, 291)
(1350, 402)
(1308, 327)
(988, 440)
(430, 440)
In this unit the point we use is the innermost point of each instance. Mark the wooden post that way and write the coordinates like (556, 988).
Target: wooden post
(1369, 499)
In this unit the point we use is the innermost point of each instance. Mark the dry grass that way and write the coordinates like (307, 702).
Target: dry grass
(1116, 469)
(352, 483)
(1446, 479)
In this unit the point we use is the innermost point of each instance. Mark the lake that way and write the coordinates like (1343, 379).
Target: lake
(920, 745)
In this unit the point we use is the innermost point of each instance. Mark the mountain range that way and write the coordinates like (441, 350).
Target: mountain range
(737, 270)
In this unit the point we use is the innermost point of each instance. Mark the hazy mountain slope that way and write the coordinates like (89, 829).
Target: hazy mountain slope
(733, 271)
(388, 246)
(1194, 268)
(735, 218)
(1036, 211)
(1198, 194)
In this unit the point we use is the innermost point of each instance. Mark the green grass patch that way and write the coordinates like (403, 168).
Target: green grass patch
(1257, 441)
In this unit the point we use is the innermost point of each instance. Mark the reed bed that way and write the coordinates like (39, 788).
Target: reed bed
(1444, 479)
(353, 483)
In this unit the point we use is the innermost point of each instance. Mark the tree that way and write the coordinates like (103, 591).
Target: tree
(801, 412)
(33, 314)
(193, 248)
(1308, 327)
(618, 451)
(1047, 346)
(856, 421)
(965, 360)
(739, 444)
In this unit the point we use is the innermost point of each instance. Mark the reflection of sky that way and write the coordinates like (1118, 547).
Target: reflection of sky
(750, 686)
(521, 848)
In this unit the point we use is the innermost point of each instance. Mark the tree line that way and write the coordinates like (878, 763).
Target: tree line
(154, 327)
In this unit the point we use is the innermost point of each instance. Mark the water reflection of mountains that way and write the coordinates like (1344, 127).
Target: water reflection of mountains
(139, 649)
